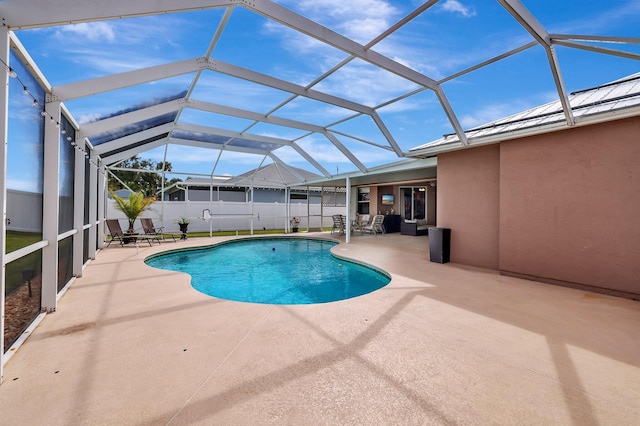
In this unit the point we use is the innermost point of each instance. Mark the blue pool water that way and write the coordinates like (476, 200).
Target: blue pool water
(272, 270)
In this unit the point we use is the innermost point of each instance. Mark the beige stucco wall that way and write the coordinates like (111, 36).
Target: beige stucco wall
(570, 206)
(561, 207)
(468, 203)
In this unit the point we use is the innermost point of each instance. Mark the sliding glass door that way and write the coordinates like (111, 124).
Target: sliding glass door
(414, 202)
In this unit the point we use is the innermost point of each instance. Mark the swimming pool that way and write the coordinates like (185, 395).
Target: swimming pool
(289, 271)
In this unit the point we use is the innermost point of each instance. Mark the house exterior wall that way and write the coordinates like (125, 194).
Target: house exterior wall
(388, 209)
(562, 207)
(268, 196)
(203, 194)
(468, 201)
(431, 205)
(430, 199)
(570, 206)
(374, 204)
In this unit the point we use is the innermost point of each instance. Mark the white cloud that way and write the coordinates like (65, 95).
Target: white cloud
(184, 155)
(407, 105)
(498, 110)
(329, 156)
(365, 29)
(486, 114)
(365, 84)
(361, 20)
(99, 48)
(94, 31)
(106, 61)
(317, 147)
(314, 51)
(455, 6)
(88, 118)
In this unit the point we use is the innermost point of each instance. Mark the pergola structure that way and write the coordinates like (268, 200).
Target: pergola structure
(298, 114)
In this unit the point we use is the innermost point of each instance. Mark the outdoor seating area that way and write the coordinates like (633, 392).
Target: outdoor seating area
(361, 225)
(414, 227)
(375, 227)
(117, 234)
(150, 229)
(441, 344)
(339, 224)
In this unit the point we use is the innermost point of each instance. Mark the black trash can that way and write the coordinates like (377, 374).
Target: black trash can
(439, 244)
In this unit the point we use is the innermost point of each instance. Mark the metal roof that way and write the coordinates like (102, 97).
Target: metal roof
(614, 100)
(303, 109)
(269, 176)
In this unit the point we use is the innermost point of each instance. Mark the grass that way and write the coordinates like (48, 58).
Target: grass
(17, 240)
(13, 272)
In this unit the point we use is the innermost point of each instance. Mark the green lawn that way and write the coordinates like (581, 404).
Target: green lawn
(16, 240)
(13, 272)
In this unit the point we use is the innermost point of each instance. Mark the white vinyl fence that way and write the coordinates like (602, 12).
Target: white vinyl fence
(24, 211)
(229, 216)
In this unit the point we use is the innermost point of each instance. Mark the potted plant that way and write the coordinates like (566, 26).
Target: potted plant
(294, 222)
(183, 223)
(132, 207)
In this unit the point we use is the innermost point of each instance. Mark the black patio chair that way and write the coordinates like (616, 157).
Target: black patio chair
(118, 235)
(150, 229)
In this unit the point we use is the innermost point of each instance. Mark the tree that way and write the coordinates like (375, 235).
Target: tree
(147, 182)
(133, 206)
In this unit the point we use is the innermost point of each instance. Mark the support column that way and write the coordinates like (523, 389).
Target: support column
(78, 211)
(348, 203)
(93, 203)
(50, 209)
(101, 194)
(4, 118)
(251, 233)
(308, 206)
(287, 209)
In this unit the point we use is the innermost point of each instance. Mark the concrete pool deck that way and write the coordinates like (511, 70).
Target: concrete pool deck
(441, 344)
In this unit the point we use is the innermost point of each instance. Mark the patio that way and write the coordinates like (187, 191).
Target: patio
(441, 344)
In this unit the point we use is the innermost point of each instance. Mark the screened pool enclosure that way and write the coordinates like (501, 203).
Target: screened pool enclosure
(290, 107)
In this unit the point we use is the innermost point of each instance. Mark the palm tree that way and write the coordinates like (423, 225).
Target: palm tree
(133, 206)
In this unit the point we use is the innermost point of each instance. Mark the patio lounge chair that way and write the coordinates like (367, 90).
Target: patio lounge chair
(338, 224)
(150, 229)
(375, 226)
(361, 221)
(118, 235)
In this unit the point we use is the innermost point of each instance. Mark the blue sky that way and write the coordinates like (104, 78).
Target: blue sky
(449, 37)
